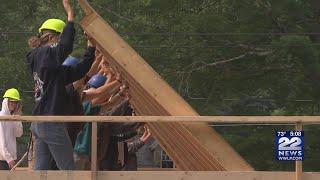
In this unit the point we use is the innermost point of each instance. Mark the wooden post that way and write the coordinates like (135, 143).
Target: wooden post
(299, 163)
(94, 151)
(121, 150)
(31, 155)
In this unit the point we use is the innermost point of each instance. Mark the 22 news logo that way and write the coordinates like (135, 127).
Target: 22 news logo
(289, 145)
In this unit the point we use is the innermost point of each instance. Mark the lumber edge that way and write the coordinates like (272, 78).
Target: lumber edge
(155, 175)
(183, 119)
(86, 6)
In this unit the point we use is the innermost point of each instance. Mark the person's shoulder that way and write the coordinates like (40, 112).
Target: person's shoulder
(44, 48)
(32, 51)
(36, 50)
(30, 54)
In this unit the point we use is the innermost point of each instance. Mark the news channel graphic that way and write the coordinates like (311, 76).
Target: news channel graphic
(289, 145)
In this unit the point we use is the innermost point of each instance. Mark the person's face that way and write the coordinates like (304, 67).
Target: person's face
(13, 105)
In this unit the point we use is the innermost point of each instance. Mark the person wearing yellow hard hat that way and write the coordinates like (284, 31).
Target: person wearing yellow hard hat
(9, 131)
(49, 50)
(13, 97)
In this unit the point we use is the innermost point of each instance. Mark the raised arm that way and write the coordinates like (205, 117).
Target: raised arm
(94, 68)
(65, 45)
(106, 89)
(135, 145)
(68, 9)
(76, 73)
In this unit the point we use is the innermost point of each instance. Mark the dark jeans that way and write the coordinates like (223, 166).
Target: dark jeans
(52, 141)
(4, 165)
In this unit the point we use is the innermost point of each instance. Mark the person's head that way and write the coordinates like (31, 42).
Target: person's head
(71, 61)
(14, 99)
(96, 81)
(49, 33)
(13, 105)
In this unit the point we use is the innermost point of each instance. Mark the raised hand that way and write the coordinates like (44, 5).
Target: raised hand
(146, 135)
(68, 9)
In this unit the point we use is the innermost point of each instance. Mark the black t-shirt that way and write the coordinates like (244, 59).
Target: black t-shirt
(51, 78)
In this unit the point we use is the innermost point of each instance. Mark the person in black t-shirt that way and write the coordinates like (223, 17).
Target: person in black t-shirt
(49, 50)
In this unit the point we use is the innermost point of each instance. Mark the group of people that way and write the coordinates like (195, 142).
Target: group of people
(67, 85)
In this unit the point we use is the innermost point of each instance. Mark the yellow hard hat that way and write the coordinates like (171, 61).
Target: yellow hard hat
(53, 24)
(13, 94)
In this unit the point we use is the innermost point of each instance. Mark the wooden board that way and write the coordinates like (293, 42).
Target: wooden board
(94, 152)
(306, 120)
(192, 147)
(144, 175)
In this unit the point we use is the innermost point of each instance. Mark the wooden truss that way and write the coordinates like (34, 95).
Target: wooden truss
(193, 147)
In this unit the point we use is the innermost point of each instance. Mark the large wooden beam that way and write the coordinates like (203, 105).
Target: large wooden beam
(306, 120)
(192, 147)
(144, 175)
(94, 150)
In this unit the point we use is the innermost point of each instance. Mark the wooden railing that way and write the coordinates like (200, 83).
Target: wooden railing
(298, 121)
(213, 119)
